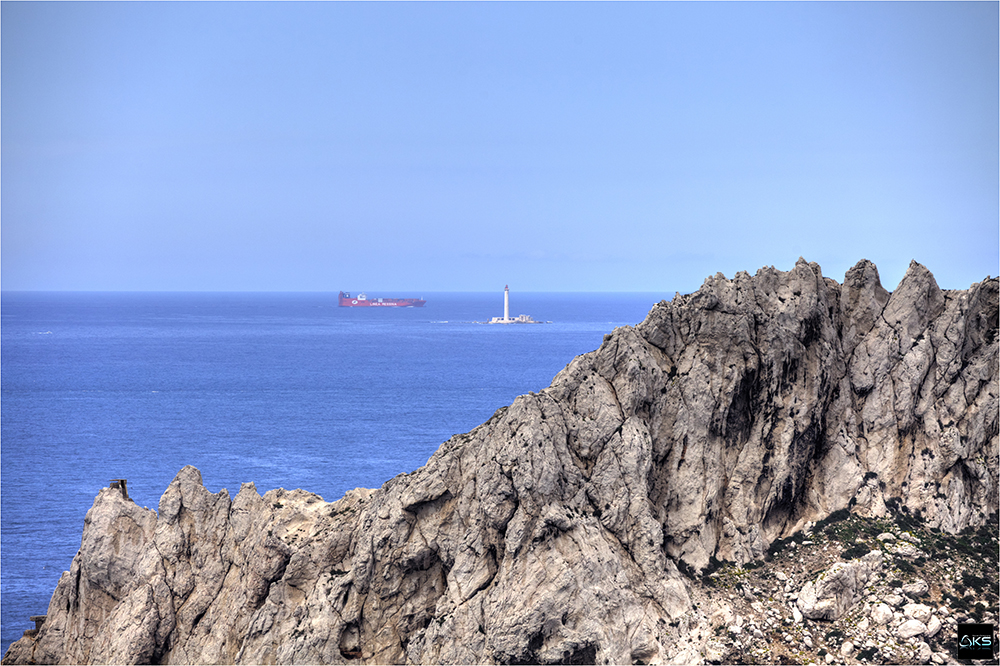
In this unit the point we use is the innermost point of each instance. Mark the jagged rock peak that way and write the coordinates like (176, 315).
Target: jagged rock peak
(561, 530)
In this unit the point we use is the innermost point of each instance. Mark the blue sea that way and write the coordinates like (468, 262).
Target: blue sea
(284, 390)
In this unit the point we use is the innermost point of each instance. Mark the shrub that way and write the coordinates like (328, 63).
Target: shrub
(855, 551)
(776, 547)
(974, 581)
(835, 517)
(867, 654)
(713, 565)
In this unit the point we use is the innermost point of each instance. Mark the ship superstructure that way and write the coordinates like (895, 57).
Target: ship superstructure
(345, 300)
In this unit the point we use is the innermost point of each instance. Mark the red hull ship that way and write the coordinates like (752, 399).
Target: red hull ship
(362, 301)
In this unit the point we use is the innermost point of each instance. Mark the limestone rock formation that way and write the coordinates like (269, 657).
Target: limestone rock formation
(837, 589)
(558, 531)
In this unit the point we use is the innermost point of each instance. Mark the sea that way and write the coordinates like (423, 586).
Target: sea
(286, 390)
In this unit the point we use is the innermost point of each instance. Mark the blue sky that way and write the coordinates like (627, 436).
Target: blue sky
(462, 146)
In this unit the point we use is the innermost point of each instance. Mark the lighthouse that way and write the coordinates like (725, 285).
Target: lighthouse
(506, 319)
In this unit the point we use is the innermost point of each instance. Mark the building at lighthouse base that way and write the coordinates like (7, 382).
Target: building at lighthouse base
(519, 319)
(506, 318)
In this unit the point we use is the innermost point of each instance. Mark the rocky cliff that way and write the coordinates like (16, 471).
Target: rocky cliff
(573, 526)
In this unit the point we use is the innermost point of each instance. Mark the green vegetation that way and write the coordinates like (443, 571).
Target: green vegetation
(833, 634)
(779, 545)
(855, 551)
(849, 530)
(725, 574)
(961, 571)
(713, 566)
(867, 654)
(835, 517)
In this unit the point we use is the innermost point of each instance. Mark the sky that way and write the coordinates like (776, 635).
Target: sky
(402, 148)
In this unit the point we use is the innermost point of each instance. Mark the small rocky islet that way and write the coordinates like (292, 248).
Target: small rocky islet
(777, 468)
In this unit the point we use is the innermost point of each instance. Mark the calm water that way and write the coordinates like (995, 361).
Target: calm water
(285, 390)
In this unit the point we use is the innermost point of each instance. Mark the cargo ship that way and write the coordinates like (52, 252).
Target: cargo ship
(362, 301)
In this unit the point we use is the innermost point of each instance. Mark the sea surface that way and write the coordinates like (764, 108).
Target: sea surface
(281, 389)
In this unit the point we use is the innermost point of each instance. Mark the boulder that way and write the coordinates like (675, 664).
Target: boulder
(894, 600)
(917, 612)
(836, 590)
(933, 627)
(905, 550)
(911, 628)
(881, 614)
(916, 589)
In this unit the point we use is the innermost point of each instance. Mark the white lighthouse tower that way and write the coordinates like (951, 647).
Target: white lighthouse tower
(506, 319)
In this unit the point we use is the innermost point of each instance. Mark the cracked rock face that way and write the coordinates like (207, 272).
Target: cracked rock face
(556, 532)
(837, 589)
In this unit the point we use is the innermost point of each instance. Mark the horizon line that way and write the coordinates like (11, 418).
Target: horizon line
(311, 291)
